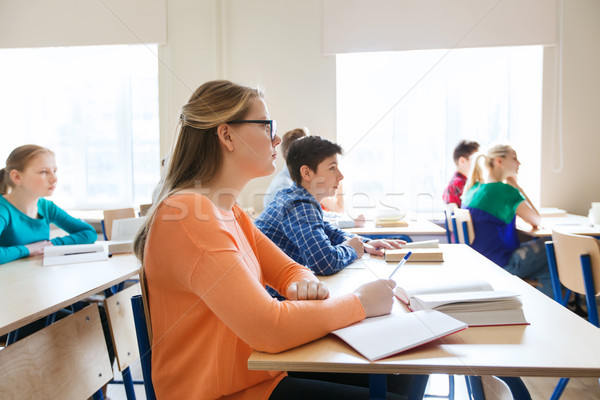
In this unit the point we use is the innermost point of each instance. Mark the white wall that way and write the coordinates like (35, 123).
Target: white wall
(277, 44)
(273, 44)
(577, 184)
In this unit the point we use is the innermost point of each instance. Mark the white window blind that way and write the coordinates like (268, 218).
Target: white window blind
(394, 25)
(42, 23)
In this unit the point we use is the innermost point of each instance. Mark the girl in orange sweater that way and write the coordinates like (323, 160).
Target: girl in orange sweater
(206, 265)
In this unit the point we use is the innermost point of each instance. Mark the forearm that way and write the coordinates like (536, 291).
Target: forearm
(11, 253)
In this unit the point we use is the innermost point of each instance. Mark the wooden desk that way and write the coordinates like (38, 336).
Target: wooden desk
(415, 227)
(557, 343)
(29, 291)
(576, 224)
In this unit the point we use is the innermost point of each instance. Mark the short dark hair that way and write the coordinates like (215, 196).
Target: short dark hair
(289, 137)
(464, 149)
(309, 151)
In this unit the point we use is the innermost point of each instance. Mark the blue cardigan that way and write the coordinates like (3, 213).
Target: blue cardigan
(17, 229)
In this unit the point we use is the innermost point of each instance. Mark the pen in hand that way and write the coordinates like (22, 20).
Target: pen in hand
(401, 263)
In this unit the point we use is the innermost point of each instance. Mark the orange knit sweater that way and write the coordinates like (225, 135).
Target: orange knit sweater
(206, 271)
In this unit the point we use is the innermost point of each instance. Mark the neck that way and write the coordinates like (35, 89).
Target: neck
(495, 175)
(224, 189)
(24, 202)
(313, 192)
(464, 171)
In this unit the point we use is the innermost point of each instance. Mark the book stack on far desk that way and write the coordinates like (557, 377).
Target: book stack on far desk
(474, 302)
(390, 218)
(425, 251)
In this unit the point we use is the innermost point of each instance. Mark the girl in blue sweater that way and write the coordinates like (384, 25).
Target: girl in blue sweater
(25, 216)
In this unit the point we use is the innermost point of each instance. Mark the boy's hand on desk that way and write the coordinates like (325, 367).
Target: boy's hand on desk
(307, 290)
(37, 248)
(375, 246)
(356, 244)
(377, 297)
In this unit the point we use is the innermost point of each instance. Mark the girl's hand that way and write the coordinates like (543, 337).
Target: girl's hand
(377, 297)
(307, 290)
(37, 248)
(375, 246)
(512, 181)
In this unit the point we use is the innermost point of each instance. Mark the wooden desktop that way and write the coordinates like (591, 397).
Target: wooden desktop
(29, 291)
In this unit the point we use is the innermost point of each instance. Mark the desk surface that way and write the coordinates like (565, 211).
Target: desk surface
(570, 223)
(29, 291)
(557, 343)
(415, 227)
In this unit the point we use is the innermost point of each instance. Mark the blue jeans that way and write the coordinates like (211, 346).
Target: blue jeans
(530, 261)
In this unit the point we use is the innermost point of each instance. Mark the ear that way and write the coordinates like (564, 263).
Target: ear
(462, 160)
(15, 176)
(224, 133)
(306, 173)
(498, 161)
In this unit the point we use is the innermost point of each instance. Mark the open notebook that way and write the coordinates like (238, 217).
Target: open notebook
(122, 234)
(380, 337)
(474, 302)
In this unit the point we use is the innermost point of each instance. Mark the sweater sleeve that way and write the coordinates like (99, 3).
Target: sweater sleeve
(10, 253)
(305, 228)
(278, 268)
(266, 324)
(79, 232)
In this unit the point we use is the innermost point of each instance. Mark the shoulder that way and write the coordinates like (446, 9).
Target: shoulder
(48, 208)
(192, 218)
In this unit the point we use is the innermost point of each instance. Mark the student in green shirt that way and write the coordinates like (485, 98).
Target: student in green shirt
(25, 216)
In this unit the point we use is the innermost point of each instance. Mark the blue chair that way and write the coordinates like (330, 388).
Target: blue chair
(463, 226)
(574, 262)
(143, 339)
(450, 230)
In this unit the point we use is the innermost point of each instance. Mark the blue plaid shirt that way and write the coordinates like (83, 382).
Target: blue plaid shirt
(294, 222)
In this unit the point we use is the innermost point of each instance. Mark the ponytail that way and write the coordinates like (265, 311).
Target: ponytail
(3, 181)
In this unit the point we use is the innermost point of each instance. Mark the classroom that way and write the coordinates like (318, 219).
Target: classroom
(365, 75)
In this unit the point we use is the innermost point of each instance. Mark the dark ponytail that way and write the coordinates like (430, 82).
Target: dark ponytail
(3, 183)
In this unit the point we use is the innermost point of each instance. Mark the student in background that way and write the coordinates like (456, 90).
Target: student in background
(494, 204)
(294, 219)
(283, 180)
(463, 158)
(25, 216)
(206, 265)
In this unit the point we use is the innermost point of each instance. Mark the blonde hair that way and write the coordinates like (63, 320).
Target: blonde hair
(18, 160)
(196, 157)
(499, 150)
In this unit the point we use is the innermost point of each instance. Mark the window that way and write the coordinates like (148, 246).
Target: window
(96, 107)
(400, 114)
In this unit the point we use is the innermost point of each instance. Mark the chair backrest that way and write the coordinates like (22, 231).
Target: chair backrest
(66, 360)
(122, 327)
(463, 219)
(144, 209)
(143, 328)
(449, 213)
(568, 249)
(111, 215)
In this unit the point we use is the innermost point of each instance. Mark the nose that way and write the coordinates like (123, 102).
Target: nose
(340, 176)
(276, 141)
(53, 177)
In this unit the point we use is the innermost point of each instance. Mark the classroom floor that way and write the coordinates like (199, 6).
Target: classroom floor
(540, 388)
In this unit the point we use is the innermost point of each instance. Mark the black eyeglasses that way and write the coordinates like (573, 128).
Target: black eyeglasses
(270, 124)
